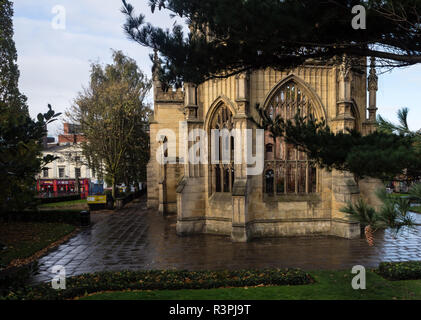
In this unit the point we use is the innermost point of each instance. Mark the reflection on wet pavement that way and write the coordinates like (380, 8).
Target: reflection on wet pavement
(136, 239)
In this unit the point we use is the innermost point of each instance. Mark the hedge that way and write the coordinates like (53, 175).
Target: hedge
(129, 196)
(408, 270)
(159, 280)
(60, 216)
(125, 198)
(59, 199)
(16, 277)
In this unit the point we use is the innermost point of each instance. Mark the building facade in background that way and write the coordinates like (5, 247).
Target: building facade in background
(70, 172)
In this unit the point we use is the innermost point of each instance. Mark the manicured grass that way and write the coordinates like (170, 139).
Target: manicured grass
(399, 195)
(23, 239)
(416, 209)
(330, 285)
(64, 204)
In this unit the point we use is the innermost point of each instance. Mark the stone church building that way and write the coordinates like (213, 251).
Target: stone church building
(291, 197)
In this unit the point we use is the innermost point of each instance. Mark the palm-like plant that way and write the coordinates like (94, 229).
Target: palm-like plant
(366, 216)
(415, 191)
(394, 214)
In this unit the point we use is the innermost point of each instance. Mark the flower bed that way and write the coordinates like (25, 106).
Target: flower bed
(408, 270)
(160, 280)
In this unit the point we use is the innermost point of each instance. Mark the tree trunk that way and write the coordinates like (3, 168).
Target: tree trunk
(113, 192)
(369, 235)
(77, 185)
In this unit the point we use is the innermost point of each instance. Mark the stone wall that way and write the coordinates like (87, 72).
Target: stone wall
(248, 213)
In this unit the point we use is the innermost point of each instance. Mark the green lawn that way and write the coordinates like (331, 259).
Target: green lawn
(23, 239)
(64, 204)
(416, 209)
(398, 195)
(329, 285)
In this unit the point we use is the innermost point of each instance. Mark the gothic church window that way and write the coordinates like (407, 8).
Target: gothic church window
(222, 173)
(288, 171)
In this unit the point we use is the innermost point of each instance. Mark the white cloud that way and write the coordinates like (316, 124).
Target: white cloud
(54, 64)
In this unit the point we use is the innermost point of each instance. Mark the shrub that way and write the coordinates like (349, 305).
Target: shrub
(127, 197)
(16, 278)
(161, 280)
(408, 270)
(59, 216)
(59, 199)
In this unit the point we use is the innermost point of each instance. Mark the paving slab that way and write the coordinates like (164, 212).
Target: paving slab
(136, 238)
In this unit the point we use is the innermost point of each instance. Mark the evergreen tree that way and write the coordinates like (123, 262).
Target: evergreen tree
(382, 155)
(9, 76)
(413, 172)
(227, 37)
(20, 136)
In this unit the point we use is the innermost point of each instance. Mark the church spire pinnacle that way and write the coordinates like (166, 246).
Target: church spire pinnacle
(372, 89)
(155, 66)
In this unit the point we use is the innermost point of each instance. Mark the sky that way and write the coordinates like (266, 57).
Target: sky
(54, 62)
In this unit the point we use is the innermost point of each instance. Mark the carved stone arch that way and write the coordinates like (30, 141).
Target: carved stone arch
(287, 169)
(310, 92)
(221, 175)
(214, 108)
(355, 111)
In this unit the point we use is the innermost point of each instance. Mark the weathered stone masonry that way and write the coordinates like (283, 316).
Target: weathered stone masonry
(291, 197)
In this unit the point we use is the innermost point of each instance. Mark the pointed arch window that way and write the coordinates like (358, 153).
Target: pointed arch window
(222, 174)
(287, 170)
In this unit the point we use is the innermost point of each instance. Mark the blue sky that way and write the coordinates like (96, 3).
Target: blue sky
(54, 64)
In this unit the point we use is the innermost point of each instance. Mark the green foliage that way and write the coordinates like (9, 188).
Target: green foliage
(380, 155)
(24, 239)
(363, 213)
(13, 279)
(416, 209)
(413, 171)
(162, 280)
(9, 76)
(20, 136)
(394, 212)
(59, 199)
(235, 36)
(68, 216)
(408, 270)
(415, 191)
(329, 285)
(389, 127)
(114, 118)
(63, 204)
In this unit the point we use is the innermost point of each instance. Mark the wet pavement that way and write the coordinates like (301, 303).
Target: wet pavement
(135, 238)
